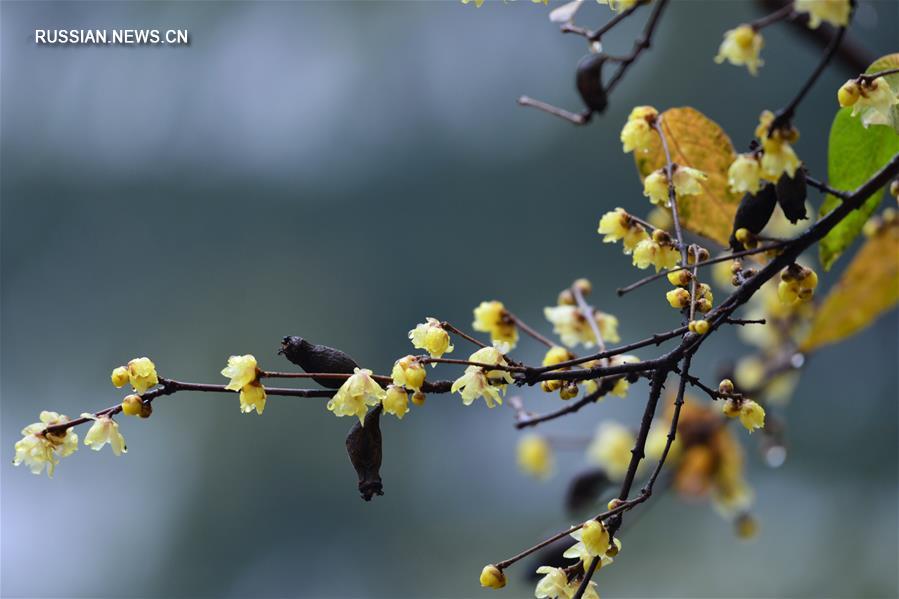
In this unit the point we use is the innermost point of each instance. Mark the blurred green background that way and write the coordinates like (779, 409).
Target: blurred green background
(340, 171)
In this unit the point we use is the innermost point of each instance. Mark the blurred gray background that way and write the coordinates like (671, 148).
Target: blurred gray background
(340, 171)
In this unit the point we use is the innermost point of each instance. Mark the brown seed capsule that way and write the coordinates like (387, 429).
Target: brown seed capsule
(791, 193)
(753, 213)
(589, 82)
(363, 445)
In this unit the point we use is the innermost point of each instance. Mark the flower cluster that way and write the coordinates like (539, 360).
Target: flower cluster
(431, 337)
(686, 181)
(741, 46)
(778, 156)
(660, 251)
(797, 284)
(38, 448)
(140, 372)
(244, 374)
(492, 317)
(477, 381)
(573, 328)
(872, 101)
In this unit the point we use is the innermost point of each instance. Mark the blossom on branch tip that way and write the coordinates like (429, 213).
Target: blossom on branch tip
(492, 317)
(431, 337)
(572, 327)
(104, 430)
(535, 456)
(356, 394)
(744, 174)
(492, 577)
(741, 46)
(120, 376)
(873, 100)
(38, 449)
(396, 401)
(637, 134)
(835, 12)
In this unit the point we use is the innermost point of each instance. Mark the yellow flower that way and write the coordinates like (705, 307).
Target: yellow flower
(700, 327)
(637, 134)
(752, 415)
(477, 3)
(742, 46)
(555, 585)
(778, 156)
(492, 317)
(622, 386)
(104, 430)
(649, 252)
(431, 337)
(688, 181)
(475, 382)
(655, 187)
(618, 224)
(242, 370)
(535, 456)
(356, 394)
(656, 442)
(611, 449)
(744, 174)
(874, 102)
(252, 396)
(37, 449)
(142, 374)
(619, 5)
(595, 537)
(396, 401)
(120, 376)
(571, 326)
(835, 12)
(492, 577)
(408, 372)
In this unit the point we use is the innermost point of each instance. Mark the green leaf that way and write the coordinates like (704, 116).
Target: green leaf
(854, 154)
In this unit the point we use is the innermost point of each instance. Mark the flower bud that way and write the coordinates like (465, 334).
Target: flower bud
(584, 286)
(131, 405)
(569, 390)
(146, 409)
(566, 298)
(678, 298)
(726, 386)
(418, 398)
(848, 93)
(700, 327)
(120, 376)
(492, 577)
(680, 278)
(703, 305)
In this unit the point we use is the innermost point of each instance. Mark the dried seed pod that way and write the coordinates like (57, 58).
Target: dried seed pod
(363, 445)
(589, 82)
(791, 193)
(753, 213)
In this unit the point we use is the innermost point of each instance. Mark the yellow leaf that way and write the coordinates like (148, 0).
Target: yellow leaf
(867, 288)
(696, 141)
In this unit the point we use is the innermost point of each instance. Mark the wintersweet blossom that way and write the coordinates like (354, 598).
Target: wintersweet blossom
(744, 174)
(555, 585)
(396, 401)
(244, 374)
(104, 430)
(741, 46)
(637, 134)
(572, 327)
(409, 373)
(535, 456)
(835, 12)
(38, 449)
(872, 100)
(619, 225)
(355, 395)
(478, 382)
(778, 156)
(431, 337)
(142, 374)
(492, 317)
